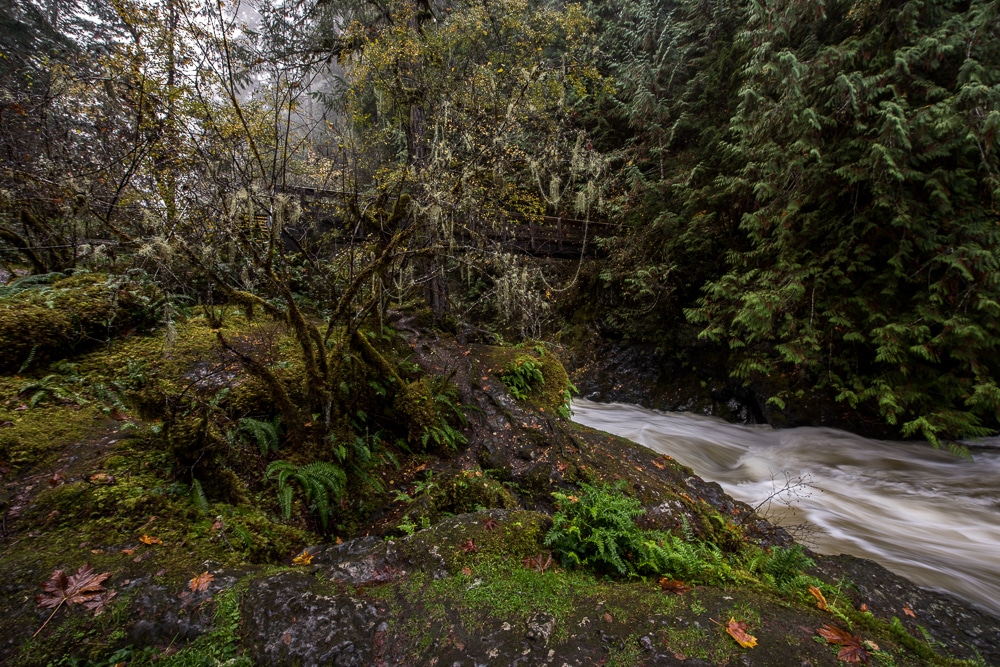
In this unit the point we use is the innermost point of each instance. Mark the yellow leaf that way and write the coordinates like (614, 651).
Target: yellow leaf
(146, 539)
(820, 600)
(738, 631)
(304, 558)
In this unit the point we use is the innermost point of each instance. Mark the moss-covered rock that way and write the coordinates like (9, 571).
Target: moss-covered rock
(57, 320)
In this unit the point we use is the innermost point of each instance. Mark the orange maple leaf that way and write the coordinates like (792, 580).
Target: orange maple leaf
(738, 631)
(146, 539)
(851, 649)
(909, 612)
(674, 586)
(820, 600)
(201, 582)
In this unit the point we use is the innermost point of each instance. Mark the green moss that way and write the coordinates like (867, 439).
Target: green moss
(416, 403)
(551, 394)
(31, 437)
(62, 319)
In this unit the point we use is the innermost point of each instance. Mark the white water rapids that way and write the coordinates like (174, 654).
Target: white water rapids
(921, 513)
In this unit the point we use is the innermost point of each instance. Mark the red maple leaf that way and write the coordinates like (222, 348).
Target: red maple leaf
(851, 649)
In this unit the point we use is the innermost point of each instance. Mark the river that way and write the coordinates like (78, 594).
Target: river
(920, 512)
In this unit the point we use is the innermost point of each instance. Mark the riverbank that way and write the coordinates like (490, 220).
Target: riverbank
(444, 556)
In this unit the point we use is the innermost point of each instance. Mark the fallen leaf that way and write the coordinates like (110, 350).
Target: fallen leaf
(864, 607)
(304, 558)
(467, 571)
(83, 587)
(607, 617)
(128, 552)
(659, 465)
(217, 524)
(57, 479)
(339, 541)
(820, 600)
(469, 547)
(538, 563)
(72, 589)
(909, 612)
(97, 604)
(101, 478)
(146, 539)
(738, 631)
(674, 586)
(201, 582)
(851, 649)
(490, 524)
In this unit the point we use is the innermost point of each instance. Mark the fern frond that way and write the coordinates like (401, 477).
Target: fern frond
(198, 497)
(285, 501)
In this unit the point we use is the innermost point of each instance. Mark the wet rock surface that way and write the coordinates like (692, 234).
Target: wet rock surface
(374, 602)
(290, 619)
(963, 628)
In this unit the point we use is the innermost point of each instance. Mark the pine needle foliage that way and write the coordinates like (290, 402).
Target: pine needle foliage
(818, 185)
(868, 135)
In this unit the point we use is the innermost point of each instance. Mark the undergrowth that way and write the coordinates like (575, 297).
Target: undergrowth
(596, 529)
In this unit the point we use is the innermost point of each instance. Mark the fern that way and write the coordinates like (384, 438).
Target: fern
(321, 482)
(265, 433)
(245, 536)
(27, 362)
(522, 376)
(198, 497)
(786, 565)
(36, 283)
(597, 529)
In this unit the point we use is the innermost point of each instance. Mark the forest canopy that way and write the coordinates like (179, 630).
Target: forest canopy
(811, 186)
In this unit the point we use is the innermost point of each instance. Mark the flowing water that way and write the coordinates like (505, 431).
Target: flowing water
(921, 513)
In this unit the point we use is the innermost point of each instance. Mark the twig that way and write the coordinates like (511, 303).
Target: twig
(59, 606)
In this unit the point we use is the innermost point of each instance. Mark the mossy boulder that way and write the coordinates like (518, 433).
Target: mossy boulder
(63, 318)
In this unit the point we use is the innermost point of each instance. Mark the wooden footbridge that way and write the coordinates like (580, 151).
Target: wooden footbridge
(549, 236)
